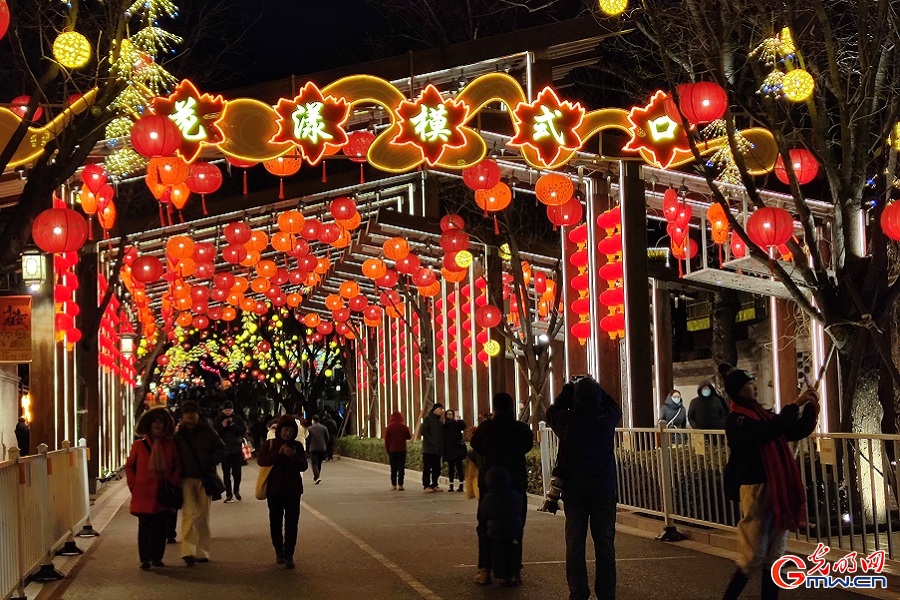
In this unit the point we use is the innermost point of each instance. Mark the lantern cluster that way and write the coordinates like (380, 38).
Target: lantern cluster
(65, 288)
(718, 226)
(678, 214)
(581, 306)
(613, 297)
(491, 194)
(113, 324)
(440, 349)
(96, 198)
(455, 244)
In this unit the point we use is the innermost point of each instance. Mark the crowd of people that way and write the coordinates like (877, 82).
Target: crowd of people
(171, 467)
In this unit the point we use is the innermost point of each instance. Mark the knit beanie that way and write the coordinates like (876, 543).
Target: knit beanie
(735, 379)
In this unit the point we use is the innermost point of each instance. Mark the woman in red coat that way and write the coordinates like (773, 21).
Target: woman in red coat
(153, 458)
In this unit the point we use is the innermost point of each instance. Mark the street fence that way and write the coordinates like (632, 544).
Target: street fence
(44, 499)
(677, 475)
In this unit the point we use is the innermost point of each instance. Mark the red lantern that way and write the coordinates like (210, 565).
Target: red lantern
(554, 189)
(890, 221)
(454, 240)
(205, 178)
(237, 233)
(424, 277)
(452, 221)
(358, 304)
(342, 208)
(223, 281)
(311, 229)
(701, 102)
(806, 167)
(146, 269)
(581, 330)
(670, 205)
(565, 215)
(770, 226)
(482, 176)
(388, 280)
(610, 219)
(234, 253)
(407, 265)
(59, 230)
(20, 103)
(488, 316)
(94, 177)
(357, 146)
(155, 135)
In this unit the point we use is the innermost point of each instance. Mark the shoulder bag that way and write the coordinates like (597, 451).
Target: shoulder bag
(169, 494)
(212, 481)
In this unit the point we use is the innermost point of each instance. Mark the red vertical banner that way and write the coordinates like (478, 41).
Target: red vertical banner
(15, 329)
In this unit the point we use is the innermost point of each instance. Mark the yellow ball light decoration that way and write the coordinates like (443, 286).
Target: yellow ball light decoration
(798, 85)
(612, 8)
(464, 258)
(504, 252)
(328, 372)
(72, 50)
(492, 348)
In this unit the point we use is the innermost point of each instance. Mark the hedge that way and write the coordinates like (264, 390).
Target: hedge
(372, 450)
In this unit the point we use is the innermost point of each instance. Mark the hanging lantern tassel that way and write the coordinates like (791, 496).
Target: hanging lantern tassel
(324, 173)
(169, 213)
(245, 184)
(203, 203)
(496, 226)
(90, 228)
(180, 216)
(162, 216)
(281, 189)
(362, 174)
(720, 255)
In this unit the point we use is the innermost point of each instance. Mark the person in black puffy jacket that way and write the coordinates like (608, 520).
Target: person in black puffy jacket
(454, 447)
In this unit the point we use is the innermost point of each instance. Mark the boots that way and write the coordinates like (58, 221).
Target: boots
(736, 585)
(769, 589)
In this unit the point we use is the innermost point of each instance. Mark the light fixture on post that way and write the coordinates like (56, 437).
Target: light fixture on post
(34, 268)
(541, 343)
(126, 343)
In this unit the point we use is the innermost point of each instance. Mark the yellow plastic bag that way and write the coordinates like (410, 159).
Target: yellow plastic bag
(262, 482)
(472, 480)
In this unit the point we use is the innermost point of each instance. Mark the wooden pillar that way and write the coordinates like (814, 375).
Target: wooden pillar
(87, 397)
(662, 341)
(637, 297)
(42, 372)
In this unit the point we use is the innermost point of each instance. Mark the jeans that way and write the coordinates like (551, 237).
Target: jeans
(284, 510)
(585, 503)
(317, 457)
(398, 467)
(152, 536)
(231, 466)
(455, 466)
(431, 470)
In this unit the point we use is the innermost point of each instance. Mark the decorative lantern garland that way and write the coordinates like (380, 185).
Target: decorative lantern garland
(581, 306)
(613, 298)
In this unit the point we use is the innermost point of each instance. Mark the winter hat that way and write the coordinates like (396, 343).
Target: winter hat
(436, 406)
(156, 413)
(735, 379)
(228, 404)
(190, 406)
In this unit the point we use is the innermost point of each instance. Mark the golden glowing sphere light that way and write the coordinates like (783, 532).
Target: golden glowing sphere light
(72, 50)
(504, 252)
(463, 258)
(492, 348)
(798, 85)
(612, 8)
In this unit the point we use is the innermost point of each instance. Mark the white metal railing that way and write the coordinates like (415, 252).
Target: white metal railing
(677, 474)
(43, 499)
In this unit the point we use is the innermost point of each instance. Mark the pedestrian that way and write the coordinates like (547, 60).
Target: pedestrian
(153, 460)
(317, 444)
(454, 448)
(763, 475)
(231, 429)
(502, 443)
(396, 435)
(708, 410)
(504, 510)
(674, 415)
(284, 487)
(200, 449)
(584, 417)
(432, 447)
(331, 425)
(23, 437)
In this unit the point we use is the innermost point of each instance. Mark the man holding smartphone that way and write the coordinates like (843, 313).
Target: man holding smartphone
(231, 429)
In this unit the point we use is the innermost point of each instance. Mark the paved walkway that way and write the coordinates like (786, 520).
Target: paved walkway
(359, 539)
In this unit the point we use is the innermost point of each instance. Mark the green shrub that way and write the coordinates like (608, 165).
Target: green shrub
(372, 450)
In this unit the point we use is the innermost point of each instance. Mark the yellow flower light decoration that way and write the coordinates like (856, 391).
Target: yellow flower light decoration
(612, 8)
(463, 259)
(72, 50)
(798, 85)
(504, 252)
(492, 348)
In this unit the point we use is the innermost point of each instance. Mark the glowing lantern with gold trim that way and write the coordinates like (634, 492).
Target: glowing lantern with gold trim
(283, 167)
(554, 189)
(396, 248)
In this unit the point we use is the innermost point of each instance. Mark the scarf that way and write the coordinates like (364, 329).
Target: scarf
(782, 473)
(157, 457)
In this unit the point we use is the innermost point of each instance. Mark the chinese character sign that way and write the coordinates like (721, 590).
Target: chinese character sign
(196, 116)
(548, 126)
(315, 123)
(432, 124)
(15, 329)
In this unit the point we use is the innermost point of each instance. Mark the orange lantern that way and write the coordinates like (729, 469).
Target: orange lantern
(454, 276)
(185, 319)
(322, 265)
(251, 259)
(396, 248)
(179, 247)
(430, 291)
(178, 195)
(374, 268)
(494, 199)
(240, 284)
(248, 304)
(554, 189)
(349, 289)
(283, 242)
(350, 223)
(258, 240)
(294, 300)
(266, 268)
(334, 302)
(291, 221)
(260, 285)
(107, 217)
(169, 170)
(312, 320)
(282, 167)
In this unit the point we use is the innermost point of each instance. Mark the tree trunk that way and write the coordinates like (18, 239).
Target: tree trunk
(866, 415)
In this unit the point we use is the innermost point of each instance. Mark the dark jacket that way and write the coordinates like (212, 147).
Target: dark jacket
(746, 435)
(454, 446)
(396, 433)
(284, 478)
(232, 433)
(673, 413)
(432, 434)
(200, 450)
(504, 441)
(707, 412)
(23, 438)
(584, 418)
(502, 506)
(317, 438)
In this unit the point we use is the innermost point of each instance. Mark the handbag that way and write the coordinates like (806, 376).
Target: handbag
(169, 494)
(247, 449)
(212, 481)
(262, 482)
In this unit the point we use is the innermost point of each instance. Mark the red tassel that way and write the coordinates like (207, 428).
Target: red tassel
(324, 173)
(680, 269)
(90, 228)
(169, 213)
(245, 184)
(362, 174)
(496, 227)
(162, 216)
(203, 202)
(720, 256)
(180, 216)
(281, 189)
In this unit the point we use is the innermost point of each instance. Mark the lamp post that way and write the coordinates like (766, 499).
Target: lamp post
(34, 268)
(126, 343)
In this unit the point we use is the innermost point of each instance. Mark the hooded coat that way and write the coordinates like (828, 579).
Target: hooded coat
(708, 412)
(432, 434)
(396, 433)
(285, 479)
(200, 449)
(673, 413)
(503, 440)
(142, 481)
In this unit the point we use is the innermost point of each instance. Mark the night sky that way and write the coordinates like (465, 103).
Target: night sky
(286, 37)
